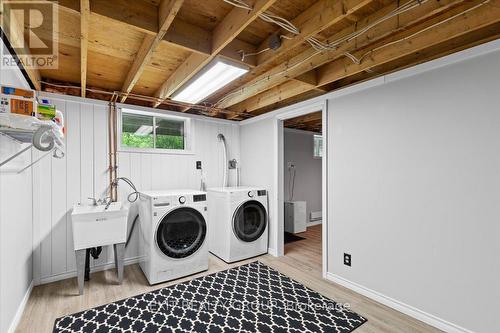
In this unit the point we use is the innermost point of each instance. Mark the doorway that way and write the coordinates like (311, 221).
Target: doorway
(302, 169)
(302, 180)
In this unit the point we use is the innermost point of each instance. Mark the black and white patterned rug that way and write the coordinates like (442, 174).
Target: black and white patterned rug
(249, 298)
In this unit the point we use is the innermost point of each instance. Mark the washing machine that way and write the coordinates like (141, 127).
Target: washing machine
(173, 234)
(238, 218)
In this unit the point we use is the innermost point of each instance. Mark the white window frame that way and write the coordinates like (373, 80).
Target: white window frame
(188, 133)
(314, 146)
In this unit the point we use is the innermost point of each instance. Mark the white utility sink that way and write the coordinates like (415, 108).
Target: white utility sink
(97, 226)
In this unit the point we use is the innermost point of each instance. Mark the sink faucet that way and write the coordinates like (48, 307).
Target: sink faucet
(108, 202)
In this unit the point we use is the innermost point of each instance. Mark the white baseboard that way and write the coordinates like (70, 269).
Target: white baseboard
(71, 274)
(310, 224)
(20, 310)
(399, 306)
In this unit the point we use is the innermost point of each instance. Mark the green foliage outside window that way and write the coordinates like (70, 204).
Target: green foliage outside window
(169, 142)
(137, 141)
(138, 132)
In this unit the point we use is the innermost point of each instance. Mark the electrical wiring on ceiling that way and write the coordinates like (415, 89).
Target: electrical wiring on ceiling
(313, 41)
(320, 47)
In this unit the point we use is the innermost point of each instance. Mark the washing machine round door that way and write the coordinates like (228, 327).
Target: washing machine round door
(249, 221)
(181, 232)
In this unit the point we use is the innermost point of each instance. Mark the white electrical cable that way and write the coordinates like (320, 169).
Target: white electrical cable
(244, 55)
(319, 47)
(284, 23)
(239, 4)
(314, 42)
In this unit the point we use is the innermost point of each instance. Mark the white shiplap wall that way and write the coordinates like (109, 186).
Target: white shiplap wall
(83, 173)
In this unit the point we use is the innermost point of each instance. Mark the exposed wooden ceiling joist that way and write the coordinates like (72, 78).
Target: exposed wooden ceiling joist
(167, 11)
(311, 59)
(84, 43)
(321, 15)
(143, 16)
(448, 28)
(147, 45)
(273, 95)
(224, 33)
(453, 45)
(345, 67)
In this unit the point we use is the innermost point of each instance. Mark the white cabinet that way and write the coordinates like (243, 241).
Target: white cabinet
(295, 216)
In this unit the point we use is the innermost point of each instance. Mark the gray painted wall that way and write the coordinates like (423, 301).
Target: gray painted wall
(298, 149)
(415, 191)
(16, 226)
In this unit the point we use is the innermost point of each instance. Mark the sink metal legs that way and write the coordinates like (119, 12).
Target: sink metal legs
(119, 250)
(80, 268)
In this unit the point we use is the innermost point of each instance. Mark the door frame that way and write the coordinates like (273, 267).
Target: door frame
(322, 106)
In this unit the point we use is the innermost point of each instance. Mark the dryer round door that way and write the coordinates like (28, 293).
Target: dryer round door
(181, 232)
(250, 221)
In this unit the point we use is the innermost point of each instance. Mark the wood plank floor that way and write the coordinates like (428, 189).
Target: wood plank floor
(302, 262)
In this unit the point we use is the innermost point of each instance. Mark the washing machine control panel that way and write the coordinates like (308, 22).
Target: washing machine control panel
(182, 199)
(261, 193)
(251, 194)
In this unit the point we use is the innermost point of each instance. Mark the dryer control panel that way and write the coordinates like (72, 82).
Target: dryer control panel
(199, 197)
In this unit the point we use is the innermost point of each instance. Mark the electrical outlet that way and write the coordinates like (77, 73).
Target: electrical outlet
(347, 259)
(198, 165)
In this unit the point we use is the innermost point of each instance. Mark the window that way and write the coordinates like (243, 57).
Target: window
(143, 131)
(318, 146)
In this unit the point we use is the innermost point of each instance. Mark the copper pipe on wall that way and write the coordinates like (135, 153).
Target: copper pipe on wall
(112, 148)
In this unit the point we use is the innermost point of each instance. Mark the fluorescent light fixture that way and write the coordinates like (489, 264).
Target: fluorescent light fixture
(144, 130)
(215, 76)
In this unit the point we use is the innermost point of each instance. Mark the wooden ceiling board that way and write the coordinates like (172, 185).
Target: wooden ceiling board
(205, 14)
(150, 80)
(257, 32)
(68, 30)
(165, 60)
(111, 38)
(68, 65)
(168, 57)
(106, 72)
(153, 2)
